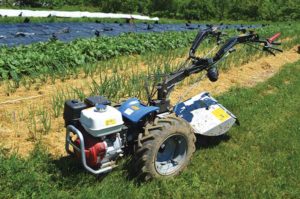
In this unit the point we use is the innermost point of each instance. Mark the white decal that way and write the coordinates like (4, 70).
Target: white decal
(128, 111)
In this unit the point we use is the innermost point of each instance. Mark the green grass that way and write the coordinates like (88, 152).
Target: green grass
(259, 159)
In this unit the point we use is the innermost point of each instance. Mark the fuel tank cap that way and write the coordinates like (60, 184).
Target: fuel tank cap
(101, 108)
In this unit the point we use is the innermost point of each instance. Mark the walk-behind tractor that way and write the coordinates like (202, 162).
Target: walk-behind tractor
(161, 136)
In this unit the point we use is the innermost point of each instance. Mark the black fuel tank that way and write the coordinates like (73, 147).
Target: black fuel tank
(72, 112)
(92, 101)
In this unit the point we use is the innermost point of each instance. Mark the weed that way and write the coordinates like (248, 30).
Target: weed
(32, 125)
(45, 120)
(57, 104)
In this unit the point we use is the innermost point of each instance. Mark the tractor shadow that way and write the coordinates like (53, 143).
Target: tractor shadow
(205, 142)
(72, 170)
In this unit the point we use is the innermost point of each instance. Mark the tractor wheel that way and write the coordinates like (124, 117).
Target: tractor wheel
(164, 149)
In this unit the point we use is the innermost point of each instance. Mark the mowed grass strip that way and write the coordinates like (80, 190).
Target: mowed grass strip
(259, 159)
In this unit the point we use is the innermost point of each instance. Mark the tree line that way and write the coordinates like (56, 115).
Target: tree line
(273, 10)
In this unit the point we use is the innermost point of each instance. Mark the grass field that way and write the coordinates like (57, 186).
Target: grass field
(259, 159)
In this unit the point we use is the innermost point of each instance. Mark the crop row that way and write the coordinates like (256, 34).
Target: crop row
(52, 56)
(56, 59)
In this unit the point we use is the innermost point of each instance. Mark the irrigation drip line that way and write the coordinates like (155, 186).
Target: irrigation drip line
(21, 99)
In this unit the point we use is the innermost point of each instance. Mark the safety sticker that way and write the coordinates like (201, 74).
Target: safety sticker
(110, 122)
(136, 108)
(128, 111)
(221, 114)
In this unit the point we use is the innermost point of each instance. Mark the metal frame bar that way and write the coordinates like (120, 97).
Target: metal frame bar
(72, 129)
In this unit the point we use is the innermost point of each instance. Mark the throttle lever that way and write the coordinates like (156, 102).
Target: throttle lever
(218, 36)
(269, 50)
(231, 50)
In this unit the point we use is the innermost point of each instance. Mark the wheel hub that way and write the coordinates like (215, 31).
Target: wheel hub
(171, 155)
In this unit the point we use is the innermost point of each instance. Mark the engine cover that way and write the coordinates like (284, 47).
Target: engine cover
(101, 120)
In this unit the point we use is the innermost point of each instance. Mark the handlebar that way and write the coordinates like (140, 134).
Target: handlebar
(251, 37)
(200, 64)
(199, 38)
(208, 64)
(202, 34)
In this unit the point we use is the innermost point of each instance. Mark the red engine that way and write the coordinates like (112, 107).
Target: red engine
(95, 151)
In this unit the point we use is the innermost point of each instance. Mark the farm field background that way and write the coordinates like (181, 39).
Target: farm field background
(261, 156)
(258, 159)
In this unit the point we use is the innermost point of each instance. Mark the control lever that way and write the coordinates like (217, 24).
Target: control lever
(276, 43)
(270, 42)
(267, 49)
(279, 50)
(231, 50)
(218, 36)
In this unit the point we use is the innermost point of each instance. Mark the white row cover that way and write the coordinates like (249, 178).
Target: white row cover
(71, 14)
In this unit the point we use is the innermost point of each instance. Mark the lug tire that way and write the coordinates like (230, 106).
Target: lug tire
(150, 142)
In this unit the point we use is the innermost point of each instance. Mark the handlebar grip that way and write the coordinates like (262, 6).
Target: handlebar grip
(199, 38)
(274, 37)
(226, 47)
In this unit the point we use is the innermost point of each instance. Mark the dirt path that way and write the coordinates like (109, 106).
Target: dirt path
(14, 134)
